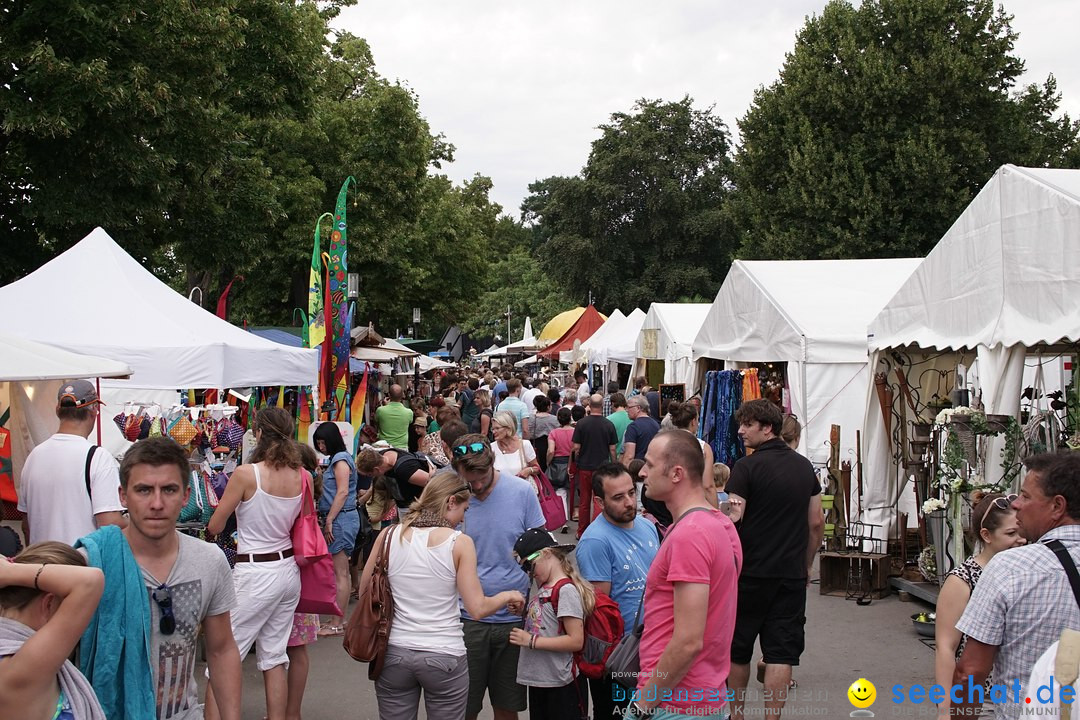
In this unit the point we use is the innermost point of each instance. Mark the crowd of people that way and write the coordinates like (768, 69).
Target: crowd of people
(488, 604)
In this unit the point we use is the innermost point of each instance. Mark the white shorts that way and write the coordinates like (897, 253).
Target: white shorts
(266, 597)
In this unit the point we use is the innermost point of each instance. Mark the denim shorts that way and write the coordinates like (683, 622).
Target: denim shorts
(346, 527)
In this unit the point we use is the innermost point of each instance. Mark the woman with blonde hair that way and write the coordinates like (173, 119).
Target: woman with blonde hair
(431, 566)
(265, 495)
(481, 424)
(554, 627)
(513, 455)
(47, 598)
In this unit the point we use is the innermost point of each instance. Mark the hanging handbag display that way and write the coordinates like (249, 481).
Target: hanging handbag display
(368, 631)
(551, 505)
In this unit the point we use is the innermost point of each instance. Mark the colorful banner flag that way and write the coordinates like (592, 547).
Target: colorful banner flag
(358, 410)
(223, 301)
(316, 330)
(305, 413)
(339, 297)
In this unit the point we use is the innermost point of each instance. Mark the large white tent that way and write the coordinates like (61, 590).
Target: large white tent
(1003, 282)
(588, 352)
(26, 360)
(812, 315)
(96, 299)
(667, 335)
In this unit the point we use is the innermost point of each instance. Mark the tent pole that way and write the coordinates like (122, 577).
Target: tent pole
(97, 383)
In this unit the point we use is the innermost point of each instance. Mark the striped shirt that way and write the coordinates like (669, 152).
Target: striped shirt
(1022, 603)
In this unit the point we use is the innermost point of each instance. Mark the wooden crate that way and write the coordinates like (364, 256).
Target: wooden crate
(836, 569)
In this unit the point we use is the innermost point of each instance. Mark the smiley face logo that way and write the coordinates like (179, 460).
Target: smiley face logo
(862, 693)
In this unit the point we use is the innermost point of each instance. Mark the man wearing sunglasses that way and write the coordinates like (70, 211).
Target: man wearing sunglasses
(188, 584)
(502, 508)
(1024, 598)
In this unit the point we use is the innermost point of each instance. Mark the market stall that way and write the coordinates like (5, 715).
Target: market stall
(30, 376)
(1001, 286)
(802, 325)
(663, 350)
(96, 299)
(583, 328)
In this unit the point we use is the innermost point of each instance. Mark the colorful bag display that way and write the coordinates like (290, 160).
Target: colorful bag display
(229, 434)
(183, 431)
(198, 508)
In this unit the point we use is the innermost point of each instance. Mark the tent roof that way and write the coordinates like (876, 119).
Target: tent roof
(1006, 273)
(678, 324)
(599, 339)
(765, 309)
(557, 326)
(621, 344)
(22, 359)
(583, 328)
(96, 299)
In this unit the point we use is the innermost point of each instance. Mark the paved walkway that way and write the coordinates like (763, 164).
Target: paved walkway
(844, 642)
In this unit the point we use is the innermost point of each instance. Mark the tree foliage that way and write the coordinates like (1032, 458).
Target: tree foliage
(515, 279)
(886, 120)
(644, 220)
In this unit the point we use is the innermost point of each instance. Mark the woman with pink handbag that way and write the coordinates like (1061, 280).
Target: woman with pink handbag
(266, 496)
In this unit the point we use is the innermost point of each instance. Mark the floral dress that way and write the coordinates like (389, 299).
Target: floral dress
(970, 571)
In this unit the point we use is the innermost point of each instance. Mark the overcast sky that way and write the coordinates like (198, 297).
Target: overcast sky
(520, 87)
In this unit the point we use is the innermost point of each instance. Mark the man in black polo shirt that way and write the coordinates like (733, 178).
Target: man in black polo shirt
(594, 444)
(776, 502)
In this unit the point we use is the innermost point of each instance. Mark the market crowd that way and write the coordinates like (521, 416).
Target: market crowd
(488, 603)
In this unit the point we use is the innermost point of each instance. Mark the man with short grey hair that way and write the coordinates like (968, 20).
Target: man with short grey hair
(642, 429)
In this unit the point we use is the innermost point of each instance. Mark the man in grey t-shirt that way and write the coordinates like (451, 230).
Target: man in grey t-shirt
(188, 583)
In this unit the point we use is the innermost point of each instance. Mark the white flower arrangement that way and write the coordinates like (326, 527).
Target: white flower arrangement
(933, 505)
(946, 415)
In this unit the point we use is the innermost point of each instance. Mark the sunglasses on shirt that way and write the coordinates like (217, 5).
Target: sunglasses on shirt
(162, 595)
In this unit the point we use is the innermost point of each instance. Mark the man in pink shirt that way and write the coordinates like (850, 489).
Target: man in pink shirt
(695, 577)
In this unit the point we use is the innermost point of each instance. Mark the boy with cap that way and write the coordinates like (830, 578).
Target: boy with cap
(70, 487)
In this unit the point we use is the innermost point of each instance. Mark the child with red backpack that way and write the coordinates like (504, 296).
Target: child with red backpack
(554, 629)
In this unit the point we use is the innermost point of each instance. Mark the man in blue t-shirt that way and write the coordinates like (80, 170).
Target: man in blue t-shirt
(614, 554)
(502, 507)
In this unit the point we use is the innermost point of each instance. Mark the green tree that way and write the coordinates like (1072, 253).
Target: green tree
(644, 221)
(886, 120)
(516, 279)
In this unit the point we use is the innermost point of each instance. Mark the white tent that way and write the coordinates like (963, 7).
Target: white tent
(1003, 281)
(96, 299)
(26, 360)
(811, 314)
(586, 352)
(667, 334)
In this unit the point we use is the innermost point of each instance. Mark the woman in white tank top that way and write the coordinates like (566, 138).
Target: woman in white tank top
(266, 496)
(431, 567)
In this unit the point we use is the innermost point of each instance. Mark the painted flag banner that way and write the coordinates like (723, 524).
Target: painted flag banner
(338, 297)
(316, 329)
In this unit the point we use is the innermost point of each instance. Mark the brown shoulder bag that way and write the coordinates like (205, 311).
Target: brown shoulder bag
(368, 630)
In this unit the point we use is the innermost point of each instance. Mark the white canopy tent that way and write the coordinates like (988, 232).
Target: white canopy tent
(96, 299)
(30, 377)
(667, 334)
(587, 349)
(812, 315)
(28, 361)
(1003, 282)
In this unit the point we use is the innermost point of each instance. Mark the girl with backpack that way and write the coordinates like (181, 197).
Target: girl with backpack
(554, 628)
